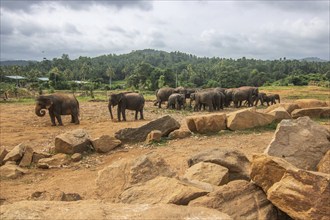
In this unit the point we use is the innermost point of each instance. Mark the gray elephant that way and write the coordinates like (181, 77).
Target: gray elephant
(204, 98)
(261, 97)
(244, 93)
(57, 105)
(162, 94)
(277, 97)
(228, 96)
(176, 101)
(128, 100)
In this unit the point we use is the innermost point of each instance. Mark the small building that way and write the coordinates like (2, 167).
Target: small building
(17, 78)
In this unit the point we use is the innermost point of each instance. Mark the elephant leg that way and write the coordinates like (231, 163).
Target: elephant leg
(141, 114)
(59, 119)
(136, 113)
(124, 114)
(119, 113)
(52, 118)
(72, 119)
(159, 103)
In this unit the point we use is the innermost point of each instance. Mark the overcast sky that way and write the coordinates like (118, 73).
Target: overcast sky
(32, 30)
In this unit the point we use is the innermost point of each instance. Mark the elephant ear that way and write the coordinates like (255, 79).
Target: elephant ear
(49, 102)
(120, 96)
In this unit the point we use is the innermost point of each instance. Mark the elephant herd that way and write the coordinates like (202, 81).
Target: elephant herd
(213, 98)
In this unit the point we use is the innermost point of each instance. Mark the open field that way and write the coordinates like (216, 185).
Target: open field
(19, 124)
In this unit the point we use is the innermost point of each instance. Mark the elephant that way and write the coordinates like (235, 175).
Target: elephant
(126, 100)
(162, 94)
(228, 96)
(261, 97)
(270, 99)
(176, 101)
(57, 105)
(243, 93)
(277, 97)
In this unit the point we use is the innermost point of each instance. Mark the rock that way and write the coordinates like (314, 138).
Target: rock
(57, 160)
(235, 161)
(39, 155)
(324, 165)
(248, 118)
(208, 172)
(179, 134)
(70, 197)
(3, 153)
(16, 153)
(300, 193)
(161, 190)
(124, 174)
(76, 141)
(240, 199)
(316, 112)
(105, 143)
(43, 165)
(76, 157)
(289, 107)
(11, 171)
(165, 124)
(27, 157)
(207, 123)
(310, 103)
(301, 142)
(280, 113)
(96, 209)
(154, 135)
(199, 184)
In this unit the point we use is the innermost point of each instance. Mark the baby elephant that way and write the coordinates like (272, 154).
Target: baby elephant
(176, 101)
(128, 100)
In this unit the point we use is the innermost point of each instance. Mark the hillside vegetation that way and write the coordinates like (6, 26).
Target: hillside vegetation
(151, 69)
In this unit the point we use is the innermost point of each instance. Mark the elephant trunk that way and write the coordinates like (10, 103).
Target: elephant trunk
(110, 110)
(39, 111)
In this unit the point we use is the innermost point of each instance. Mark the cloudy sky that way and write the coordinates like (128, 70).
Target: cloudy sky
(32, 30)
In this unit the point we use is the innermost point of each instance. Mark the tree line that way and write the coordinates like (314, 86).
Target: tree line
(152, 69)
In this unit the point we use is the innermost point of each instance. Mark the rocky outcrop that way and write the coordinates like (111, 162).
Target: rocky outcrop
(299, 193)
(165, 124)
(310, 103)
(124, 174)
(11, 171)
(324, 165)
(248, 118)
(289, 107)
(16, 153)
(301, 142)
(179, 134)
(235, 161)
(316, 112)
(105, 143)
(206, 123)
(154, 136)
(3, 153)
(208, 172)
(280, 113)
(95, 209)
(240, 199)
(161, 190)
(76, 141)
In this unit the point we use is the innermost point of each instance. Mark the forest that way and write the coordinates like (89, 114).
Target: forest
(152, 69)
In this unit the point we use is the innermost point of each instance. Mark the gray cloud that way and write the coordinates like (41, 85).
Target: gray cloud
(24, 5)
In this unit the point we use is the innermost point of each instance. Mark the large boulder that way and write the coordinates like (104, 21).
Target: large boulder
(76, 141)
(114, 179)
(105, 143)
(165, 124)
(248, 118)
(179, 134)
(161, 190)
(95, 209)
(310, 103)
(240, 199)
(316, 112)
(280, 113)
(301, 142)
(208, 172)
(235, 161)
(289, 107)
(299, 193)
(207, 123)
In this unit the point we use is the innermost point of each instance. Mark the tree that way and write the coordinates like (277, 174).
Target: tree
(111, 74)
